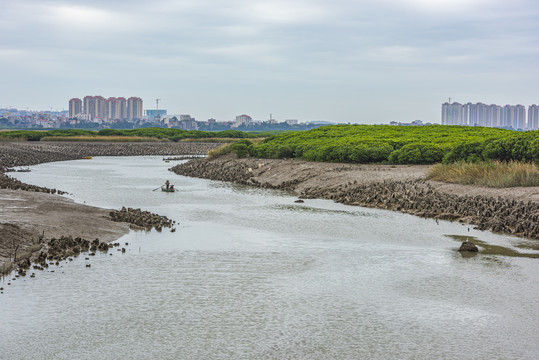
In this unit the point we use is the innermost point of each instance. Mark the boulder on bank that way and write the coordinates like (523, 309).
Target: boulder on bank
(468, 247)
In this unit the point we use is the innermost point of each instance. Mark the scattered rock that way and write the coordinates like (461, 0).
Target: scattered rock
(468, 246)
(142, 219)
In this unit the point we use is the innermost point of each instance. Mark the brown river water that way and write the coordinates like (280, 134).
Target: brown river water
(249, 274)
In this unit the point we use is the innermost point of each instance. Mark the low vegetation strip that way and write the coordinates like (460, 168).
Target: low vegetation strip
(496, 174)
(396, 144)
(97, 138)
(128, 135)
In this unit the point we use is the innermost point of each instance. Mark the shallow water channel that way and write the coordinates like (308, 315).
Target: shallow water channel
(249, 274)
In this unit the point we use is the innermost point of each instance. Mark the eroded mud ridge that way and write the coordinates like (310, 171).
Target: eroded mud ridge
(7, 182)
(51, 252)
(141, 219)
(32, 153)
(413, 196)
(421, 198)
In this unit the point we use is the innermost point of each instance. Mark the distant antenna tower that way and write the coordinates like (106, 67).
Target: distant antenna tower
(450, 100)
(157, 109)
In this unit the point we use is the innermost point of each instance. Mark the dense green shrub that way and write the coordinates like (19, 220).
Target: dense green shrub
(401, 145)
(468, 152)
(241, 147)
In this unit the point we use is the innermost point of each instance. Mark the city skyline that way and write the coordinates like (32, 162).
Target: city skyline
(491, 115)
(361, 62)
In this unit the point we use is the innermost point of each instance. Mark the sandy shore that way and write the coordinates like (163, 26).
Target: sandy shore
(393, 187)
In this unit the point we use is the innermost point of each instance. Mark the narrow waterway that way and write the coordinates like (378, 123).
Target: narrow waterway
(249, 274)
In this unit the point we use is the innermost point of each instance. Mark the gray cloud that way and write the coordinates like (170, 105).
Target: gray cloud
(359, 61)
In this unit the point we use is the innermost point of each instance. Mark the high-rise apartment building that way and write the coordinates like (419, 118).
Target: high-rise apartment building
(75, 107)
(454, 114)
(514, 116)
(521, 117)
(122, 107)
(493, 115)
(94, 106)
(533, 117)
(110, 108)
(242, 120)
(115, 108)
(134, 108)
(477, 114)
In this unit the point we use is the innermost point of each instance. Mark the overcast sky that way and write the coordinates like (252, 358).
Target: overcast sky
(358, 61)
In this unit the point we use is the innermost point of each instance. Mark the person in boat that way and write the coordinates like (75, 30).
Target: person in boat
(171, 187)
(167, 184)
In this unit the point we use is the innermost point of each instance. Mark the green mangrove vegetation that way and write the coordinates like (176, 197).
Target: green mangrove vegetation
(398, 144)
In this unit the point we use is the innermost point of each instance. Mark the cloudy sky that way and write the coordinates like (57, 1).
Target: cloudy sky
(358, 61)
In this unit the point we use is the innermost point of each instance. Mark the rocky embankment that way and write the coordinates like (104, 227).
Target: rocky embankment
(397, 188)
(7, 182)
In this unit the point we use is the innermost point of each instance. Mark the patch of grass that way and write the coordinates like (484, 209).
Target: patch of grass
(19, 138)
(221, 150)
(494, 174)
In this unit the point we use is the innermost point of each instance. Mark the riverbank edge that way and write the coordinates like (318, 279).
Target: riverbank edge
(402, 188)
(23, 232)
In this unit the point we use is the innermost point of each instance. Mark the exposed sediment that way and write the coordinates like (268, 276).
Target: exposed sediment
(397, 188)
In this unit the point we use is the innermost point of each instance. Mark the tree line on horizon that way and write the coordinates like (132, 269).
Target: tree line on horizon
(157, 133)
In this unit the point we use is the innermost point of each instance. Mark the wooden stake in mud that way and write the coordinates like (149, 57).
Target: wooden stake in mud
(15, 257)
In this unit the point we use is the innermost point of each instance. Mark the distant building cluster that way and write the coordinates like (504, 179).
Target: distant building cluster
(99, 109)
(479, 114)
(96, 112)
(413, 123)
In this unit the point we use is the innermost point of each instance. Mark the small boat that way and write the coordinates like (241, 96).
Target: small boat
(170, 189)
(87, 157)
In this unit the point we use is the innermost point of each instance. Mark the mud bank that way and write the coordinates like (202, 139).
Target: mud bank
(39, 227)
(398, 188)
(31, 218)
